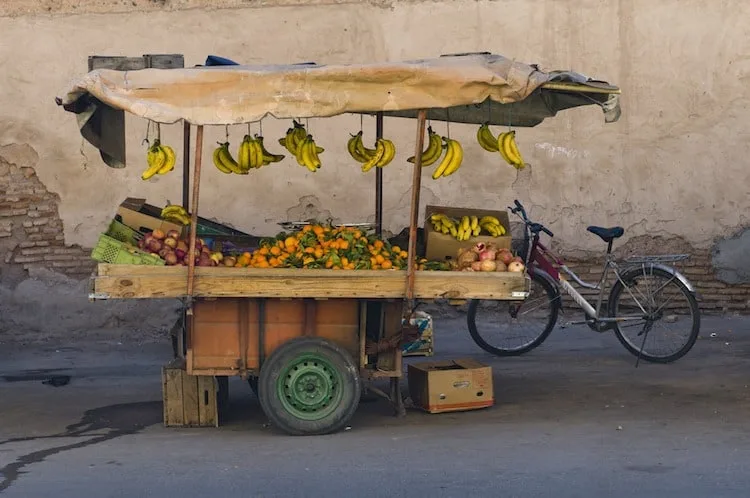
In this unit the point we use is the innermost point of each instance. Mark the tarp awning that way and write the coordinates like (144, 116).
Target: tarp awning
(472, 88)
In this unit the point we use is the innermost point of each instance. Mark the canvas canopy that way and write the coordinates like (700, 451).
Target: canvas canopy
(468, 88)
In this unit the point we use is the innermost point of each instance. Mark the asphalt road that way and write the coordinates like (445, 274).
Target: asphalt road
(572, 419)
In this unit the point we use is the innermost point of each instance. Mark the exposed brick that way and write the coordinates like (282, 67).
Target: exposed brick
(60, 257)
(28, 224)
(28, 259)
(40, 221)
(36, 250)
(5, 234)
(32, 230)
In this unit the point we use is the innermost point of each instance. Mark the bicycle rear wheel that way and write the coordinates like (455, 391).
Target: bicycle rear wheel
(512, 328)
(670, 326)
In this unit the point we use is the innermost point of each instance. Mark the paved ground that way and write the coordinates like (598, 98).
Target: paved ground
(572, 419)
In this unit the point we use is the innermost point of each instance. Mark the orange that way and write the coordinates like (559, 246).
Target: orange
(404, 254)
(375, 267)
(379, 259)
(329, 263)
(344, 244)
(309, 250)
(263, 251)
(317, 229)
(275, 251)
(387, 265)
(318, 253)
(396, 249)
(378, 244)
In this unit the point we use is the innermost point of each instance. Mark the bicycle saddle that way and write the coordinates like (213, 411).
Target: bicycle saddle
(607, 234)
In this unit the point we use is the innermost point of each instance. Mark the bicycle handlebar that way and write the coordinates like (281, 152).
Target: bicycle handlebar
(534, 227)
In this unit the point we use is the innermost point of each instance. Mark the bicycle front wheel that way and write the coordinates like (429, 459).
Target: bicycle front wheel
(660, 316)
(512, 328)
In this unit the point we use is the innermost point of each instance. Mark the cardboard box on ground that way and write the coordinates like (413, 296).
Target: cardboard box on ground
(451, 385)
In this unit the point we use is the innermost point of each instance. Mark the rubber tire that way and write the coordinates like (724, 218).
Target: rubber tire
(268, 394)
(618, 288)
(553, 295)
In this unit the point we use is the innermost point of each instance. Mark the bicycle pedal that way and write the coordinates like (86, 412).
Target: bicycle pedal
(568, 324)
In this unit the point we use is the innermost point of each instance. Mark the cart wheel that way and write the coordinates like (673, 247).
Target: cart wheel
(309, 386)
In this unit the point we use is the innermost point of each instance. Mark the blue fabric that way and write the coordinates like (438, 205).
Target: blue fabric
(215, 60)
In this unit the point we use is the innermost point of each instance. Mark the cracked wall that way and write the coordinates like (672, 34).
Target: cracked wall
(30, 226)
(674, 167)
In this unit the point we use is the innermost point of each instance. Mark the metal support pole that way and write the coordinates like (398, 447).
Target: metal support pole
(379, 181)
(186, 165)
(194, 213)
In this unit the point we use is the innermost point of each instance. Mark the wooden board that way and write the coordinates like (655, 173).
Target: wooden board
(137, 282)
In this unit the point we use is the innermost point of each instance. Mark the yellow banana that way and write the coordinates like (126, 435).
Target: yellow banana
(454, 231)
(388, 155)
(447, 159)
(354, 151)
(489, 219)
(173, 208)
(364, 151)
(501, 145)
(486, 139)
(514, 154)
(375, 158)
(304, 156)
(268, 157)
(155, 157)
(243, 154)
(474, 222)
(170, 160)
(312, 152)
(433, 151)
(256, 154)
(225, 157)
(217, 162)
(457, 159)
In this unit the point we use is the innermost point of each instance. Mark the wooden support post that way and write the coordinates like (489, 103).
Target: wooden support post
(186, 165)
(379, 181)
(416, 185)
(194, 214)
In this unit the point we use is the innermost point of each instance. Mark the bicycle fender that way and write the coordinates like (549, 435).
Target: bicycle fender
(672, 271)
(546, 276)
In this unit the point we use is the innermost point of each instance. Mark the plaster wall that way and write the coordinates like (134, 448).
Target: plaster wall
(673, 166)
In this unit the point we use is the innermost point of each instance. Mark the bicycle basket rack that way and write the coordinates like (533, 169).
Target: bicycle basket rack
(659, 258)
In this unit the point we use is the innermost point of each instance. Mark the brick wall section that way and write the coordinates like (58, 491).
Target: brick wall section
(716, 296)
(31, 232)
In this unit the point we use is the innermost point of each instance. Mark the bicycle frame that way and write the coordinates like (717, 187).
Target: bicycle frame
(540, 256)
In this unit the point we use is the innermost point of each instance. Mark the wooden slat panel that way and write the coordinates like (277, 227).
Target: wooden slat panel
(137, 281)
(207, 409)
(190, 400)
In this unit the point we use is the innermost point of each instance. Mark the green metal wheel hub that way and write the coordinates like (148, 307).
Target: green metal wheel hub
(309, 387)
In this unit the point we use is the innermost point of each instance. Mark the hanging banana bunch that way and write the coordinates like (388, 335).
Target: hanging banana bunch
(381, 156)
(505, 144)
(160, 158)
(302, 146)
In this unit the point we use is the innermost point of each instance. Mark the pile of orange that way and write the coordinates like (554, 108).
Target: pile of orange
(321, 246)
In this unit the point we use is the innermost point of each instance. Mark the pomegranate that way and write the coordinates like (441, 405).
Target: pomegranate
(173, 234)
(158, 234)
(516, 266)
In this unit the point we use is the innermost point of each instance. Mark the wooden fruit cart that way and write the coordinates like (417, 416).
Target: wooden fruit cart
(301, 335)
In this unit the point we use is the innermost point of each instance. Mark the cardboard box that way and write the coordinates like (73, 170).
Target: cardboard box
(424, 345)
(442, 246)
(451, 385)
(143, 217)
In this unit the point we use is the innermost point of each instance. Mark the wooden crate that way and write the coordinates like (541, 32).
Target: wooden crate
(189, 400)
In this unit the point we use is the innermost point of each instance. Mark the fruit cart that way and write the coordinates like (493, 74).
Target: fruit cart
(309, 337)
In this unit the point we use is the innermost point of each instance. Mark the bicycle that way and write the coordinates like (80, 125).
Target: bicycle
(546, 273)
